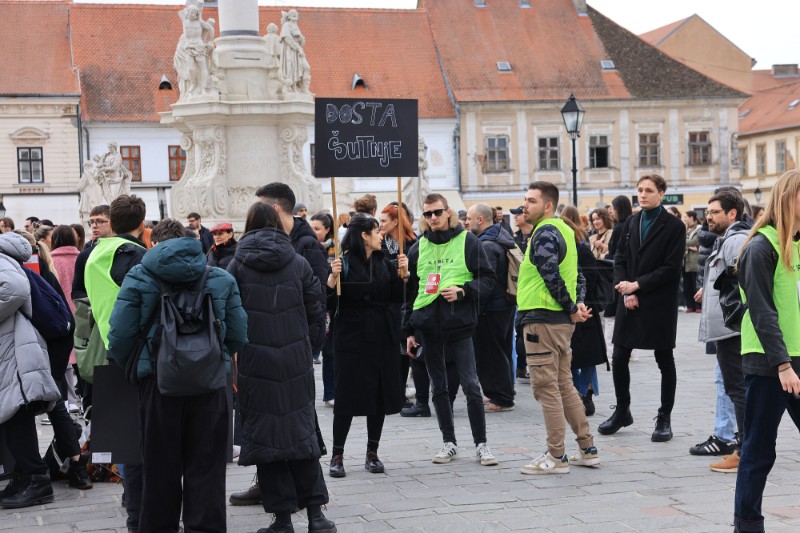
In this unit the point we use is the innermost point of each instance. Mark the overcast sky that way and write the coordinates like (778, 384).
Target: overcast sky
(766, 30)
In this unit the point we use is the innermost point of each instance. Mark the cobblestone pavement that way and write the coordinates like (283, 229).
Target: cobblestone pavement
(640, 486)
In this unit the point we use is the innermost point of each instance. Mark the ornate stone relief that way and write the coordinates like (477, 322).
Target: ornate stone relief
(293, 169)
(203, 185)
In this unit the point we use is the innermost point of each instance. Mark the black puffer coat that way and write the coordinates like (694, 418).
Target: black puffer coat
(221, 255)
(286, 324)
(366, 337)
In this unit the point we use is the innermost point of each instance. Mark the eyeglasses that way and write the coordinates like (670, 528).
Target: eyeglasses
(437, 212)
(97, 222)
(713, 212)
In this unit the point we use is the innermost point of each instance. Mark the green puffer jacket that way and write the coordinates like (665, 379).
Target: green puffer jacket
(175, 262)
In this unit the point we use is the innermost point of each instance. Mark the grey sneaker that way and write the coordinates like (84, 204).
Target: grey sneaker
(585, 457)
(448, 452)
(484, 455)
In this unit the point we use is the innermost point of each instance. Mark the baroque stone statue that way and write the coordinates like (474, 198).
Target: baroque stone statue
(91, 194)
(111, 175)
(192, 58)
(295, 69)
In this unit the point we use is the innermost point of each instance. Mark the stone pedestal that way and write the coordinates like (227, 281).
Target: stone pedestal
(233, 148)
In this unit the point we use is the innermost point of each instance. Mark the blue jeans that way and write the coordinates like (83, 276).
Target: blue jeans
(583, 377)
(725, 416)
(765, 403)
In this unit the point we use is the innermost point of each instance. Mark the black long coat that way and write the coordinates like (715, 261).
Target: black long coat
(656, 265)
(366, 338)
(276, 372)
(588, 343)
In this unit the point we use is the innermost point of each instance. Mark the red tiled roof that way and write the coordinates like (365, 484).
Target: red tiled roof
(34, 49)
(764, 79)
(552, 50)
(657, 36)
(768, 110)
(121, 62)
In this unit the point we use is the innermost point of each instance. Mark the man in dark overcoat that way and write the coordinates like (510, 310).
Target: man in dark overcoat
(647, 271)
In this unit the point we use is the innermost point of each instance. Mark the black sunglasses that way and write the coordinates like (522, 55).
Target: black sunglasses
(437, 212)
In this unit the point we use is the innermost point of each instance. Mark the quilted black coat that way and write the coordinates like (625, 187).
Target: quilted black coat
(286, 324)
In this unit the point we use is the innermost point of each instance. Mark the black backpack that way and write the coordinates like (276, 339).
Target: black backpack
(186, 353)
(51, 317)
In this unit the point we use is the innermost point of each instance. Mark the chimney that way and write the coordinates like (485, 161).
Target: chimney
(580, 6)
(787, 70)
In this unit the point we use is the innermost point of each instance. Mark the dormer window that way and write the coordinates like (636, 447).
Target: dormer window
(503, 66)
(607, 64)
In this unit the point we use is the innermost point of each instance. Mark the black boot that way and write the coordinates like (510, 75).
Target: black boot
(14, 485)
(663, 431)
(77, 474)
(418, 409)
(337, 466)
(251, 496)
(372, 463)
(621, 418)
(317, 521)
(281, 524)
(33, 490)
(588, 404)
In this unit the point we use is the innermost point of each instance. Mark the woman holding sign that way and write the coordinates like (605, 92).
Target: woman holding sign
(366, 337)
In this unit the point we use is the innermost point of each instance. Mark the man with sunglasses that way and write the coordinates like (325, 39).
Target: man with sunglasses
(448, 272)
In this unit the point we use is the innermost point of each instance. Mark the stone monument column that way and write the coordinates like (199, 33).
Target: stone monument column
(249, 126)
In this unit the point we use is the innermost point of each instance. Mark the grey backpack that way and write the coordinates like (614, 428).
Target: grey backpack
(189, 359)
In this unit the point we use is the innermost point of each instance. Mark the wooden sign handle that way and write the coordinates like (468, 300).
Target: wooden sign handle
(337, 253)
(401, 240)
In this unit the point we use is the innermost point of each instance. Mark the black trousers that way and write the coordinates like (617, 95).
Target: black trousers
(22, 442)
(184, 453)
(621, 360)
(519, 340)
(729, 356)
(462, 355)
(290, 485)
(341, 428)
(421, 380)
(65, 431)
(689, 289)
(492, 342)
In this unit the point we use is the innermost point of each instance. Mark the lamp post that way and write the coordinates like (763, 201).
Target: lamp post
(572, 113)
(756, 194)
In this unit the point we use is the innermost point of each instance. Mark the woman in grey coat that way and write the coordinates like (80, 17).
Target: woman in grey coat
(26, 387)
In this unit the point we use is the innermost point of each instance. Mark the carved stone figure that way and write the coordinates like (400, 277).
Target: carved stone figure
(417, 188)
(111, 175)
(91, 194)
(192, 56)
(295, 69)
(276, 83)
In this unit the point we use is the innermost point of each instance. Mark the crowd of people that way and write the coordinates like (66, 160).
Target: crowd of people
(450, 306)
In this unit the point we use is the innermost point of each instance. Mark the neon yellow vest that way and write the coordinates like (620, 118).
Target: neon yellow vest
(532, 292)
(101, 289)
(447, 259)
(785, 296)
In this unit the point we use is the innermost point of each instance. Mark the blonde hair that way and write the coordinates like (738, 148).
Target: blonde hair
(44, 255)
(781, 213)
(572, 217)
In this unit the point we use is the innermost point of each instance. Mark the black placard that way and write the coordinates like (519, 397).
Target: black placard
(365, 138)
(115, 418)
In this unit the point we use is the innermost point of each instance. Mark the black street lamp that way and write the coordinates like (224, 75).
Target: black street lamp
(757, 194)
(572, 113)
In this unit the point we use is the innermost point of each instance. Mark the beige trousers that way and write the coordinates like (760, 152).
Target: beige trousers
(549, 356)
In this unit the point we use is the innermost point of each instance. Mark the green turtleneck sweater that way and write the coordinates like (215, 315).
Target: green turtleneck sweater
(648, 217)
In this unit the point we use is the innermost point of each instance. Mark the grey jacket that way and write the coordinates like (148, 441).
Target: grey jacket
(24, 365)
(724, 253)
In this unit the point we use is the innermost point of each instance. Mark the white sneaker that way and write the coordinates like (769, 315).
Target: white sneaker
(73, 408)
(45, 421)
(547, 464)
(329, 403)
(411, 393)
(448, 452)
(236, 451)
(484, 454)
(586, 457)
